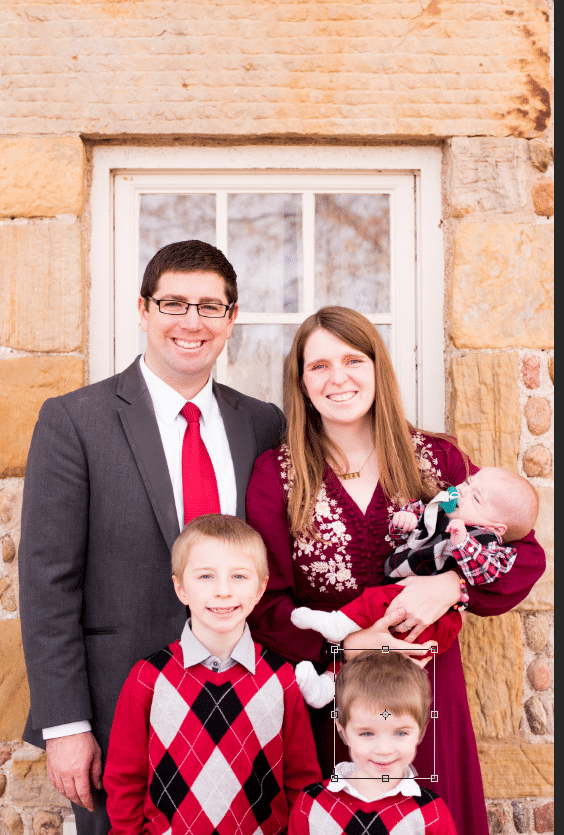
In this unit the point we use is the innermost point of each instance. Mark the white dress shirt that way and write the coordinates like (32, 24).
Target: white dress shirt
(406, 786)
(167, 403)
(194, 652)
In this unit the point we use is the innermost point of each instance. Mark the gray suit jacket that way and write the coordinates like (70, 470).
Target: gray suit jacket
(98, 523)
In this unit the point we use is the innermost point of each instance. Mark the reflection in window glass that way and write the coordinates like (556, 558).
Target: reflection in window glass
(352, 251)
(167, 218)
(255, 358)
(265, 248)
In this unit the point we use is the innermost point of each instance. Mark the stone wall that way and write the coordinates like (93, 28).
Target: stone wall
(501, 370)
(42, 354)
(473, 75)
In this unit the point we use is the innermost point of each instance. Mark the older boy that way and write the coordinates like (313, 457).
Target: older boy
(211, 735)
(383, 705)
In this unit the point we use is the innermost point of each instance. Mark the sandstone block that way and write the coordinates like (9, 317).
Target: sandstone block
(487, 174)
(531, 372)
(47, 823)
(544, 818)
(551, 369)
(12, 821)
(536, 715)
(541, 596)
(41, 177)
(25, 383)
(524, 770)
(5, 754)
(8, 548)
(538, 414)
(31, 786)
(14, 691)
(540, 154)
(520, 817)
(543, 197)
(434, 69)
(537, 631)
(539, 674)
(537, 462)
(502, 286)
(492, 657)
(485, 407)
(42, 284)
(3, 781)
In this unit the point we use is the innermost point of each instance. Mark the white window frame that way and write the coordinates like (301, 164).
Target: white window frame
(121, 174)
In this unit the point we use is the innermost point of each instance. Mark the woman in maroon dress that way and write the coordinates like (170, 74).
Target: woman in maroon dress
(322, 503)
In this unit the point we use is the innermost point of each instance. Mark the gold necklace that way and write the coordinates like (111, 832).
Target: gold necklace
(347, 476)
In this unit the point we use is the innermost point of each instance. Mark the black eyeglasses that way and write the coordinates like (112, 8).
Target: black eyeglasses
(209, 310)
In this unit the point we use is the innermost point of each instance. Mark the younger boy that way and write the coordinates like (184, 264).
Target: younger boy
(466, 527)
(383, 702)
(210, 734)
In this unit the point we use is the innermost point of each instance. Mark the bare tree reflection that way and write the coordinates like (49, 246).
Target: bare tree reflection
(352, 251)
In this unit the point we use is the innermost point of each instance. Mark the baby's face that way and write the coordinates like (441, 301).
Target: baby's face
(478, 499)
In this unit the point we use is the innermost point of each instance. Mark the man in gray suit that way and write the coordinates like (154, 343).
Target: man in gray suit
(103, 504)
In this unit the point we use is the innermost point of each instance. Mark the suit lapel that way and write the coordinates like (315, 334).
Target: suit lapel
(241, 437)
(140, 427)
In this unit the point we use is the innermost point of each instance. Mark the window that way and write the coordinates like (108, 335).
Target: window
(304, 227)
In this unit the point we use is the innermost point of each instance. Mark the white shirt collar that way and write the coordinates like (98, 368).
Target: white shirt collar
(194, 652)
(407, 786)
(168, 402)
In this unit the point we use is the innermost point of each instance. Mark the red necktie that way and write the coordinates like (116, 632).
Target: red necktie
(199, 485)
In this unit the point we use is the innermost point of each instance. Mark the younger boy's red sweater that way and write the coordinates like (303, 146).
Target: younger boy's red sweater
(319, 811)
(193, 752)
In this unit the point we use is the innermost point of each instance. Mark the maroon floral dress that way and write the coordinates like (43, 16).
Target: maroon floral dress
(325, 575)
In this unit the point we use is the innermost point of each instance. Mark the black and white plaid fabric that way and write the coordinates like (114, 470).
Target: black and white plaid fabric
(482, 556)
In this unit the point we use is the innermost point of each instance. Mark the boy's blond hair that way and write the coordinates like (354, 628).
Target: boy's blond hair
(228, 529)
(390, 681)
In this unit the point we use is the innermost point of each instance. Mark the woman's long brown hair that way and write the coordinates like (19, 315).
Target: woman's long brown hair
(309, 446)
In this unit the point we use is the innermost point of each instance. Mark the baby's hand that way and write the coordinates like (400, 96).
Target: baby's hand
(404, 520)
(457, 530)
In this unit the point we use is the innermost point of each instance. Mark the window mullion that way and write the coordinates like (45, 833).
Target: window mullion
(221, 220)
(308, 235)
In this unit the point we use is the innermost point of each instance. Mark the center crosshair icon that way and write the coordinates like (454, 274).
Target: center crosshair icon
(385, 714)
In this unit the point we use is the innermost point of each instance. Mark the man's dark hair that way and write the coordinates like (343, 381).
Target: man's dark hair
(189, 257)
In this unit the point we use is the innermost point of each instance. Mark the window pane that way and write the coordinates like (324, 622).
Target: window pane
(167, 218)
(352, 251)
(384, 331)
(265, 247)
(255, 359)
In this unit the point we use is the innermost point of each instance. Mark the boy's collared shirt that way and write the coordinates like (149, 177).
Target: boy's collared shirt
(167, 403)
(407, 785)
(194, 652)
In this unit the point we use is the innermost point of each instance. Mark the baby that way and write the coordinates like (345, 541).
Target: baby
(465, 528)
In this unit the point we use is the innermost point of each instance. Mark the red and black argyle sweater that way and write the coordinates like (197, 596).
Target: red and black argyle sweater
(319, 811)
(193, 751)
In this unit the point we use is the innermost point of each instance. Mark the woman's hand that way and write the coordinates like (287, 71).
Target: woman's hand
(424, 600)
(378, 635)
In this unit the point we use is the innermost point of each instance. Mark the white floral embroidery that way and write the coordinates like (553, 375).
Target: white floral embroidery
(331, 569)
(426, 459)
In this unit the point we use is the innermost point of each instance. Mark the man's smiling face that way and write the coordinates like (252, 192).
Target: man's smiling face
(181, 350)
